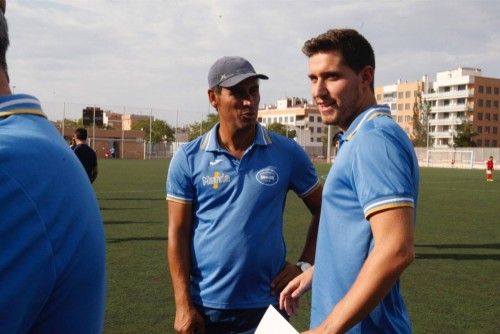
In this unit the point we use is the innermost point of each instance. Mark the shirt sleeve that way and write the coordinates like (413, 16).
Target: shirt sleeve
(303, 175)
(382, 171)
(179, 182)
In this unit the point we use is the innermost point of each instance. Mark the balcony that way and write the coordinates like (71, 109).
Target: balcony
(456, 94)
(446, 121)
(449, 108)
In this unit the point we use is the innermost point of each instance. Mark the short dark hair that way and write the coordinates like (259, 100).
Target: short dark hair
(4, 43)
(81, 134)
(217, 89)
(355, 49)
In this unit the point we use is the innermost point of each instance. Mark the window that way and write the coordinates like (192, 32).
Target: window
(275, 120)
(479, 116)
(495, 130)
(379, 97)
(319, 118)
(311, 118)
(446, 89)
(494, 143)
(495, 117)
(286, 119)
(495, 103)
(486, 143)
(407, 94)
(446, 102)
(479, 129)
(400, 106)
(487, 116)
(486, 129)
(479, 103)
(318, 140)
(280, 120)
(400, 119)
(495, 91)
(488, 90)
(407, 106)
(318, 130)
(292, 118)
(481, 89)
(488, 103)
(461, 87)
(407, 118)
(479, 142)
(400, 95)
(311, 129)
(460, 101)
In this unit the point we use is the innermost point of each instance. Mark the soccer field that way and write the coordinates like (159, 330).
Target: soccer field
(452, 287)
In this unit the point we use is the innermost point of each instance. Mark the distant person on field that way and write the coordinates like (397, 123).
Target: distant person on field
(226, 192)
(112, 152)
(85, 153)
(52, 247)
(366, 229)
(489, 169)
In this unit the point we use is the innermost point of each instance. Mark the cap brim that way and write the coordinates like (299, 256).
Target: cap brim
(233, 81)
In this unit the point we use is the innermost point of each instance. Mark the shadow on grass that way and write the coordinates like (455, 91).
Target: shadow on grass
(494, 257)
(119, 240)
(463, 246)
(129, 222)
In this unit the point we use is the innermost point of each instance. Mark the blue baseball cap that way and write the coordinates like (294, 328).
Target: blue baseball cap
(230, 71)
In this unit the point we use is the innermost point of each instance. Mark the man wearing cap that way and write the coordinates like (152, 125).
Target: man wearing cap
(52, 257)
(226, 193)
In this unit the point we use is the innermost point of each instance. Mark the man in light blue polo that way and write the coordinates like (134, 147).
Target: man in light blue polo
(226, 193)
(52, 247)
(366, 232)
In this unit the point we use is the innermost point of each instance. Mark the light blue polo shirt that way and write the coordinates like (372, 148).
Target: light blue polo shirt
(52, 247)
(238, 245)
(375, 169)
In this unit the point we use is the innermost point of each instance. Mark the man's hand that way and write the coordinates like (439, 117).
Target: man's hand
(288, 273)
(289, 297)
(189, 321)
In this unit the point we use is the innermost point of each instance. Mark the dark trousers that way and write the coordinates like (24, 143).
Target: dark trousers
(232, 321)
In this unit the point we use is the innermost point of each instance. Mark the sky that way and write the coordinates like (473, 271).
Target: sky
(153, 56)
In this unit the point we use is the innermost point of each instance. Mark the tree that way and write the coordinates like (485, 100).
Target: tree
(160, 130)
(421, 111)
(199, 128)
(282, 130)
(464, 133)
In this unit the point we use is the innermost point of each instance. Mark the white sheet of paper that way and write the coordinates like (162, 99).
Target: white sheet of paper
(273, 322)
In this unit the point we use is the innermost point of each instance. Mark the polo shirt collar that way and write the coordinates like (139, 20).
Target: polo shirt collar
(368, 114)
(20, 104)
(211, 144)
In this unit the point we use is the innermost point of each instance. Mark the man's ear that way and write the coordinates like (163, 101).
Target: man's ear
(212, 98)
(367, 75)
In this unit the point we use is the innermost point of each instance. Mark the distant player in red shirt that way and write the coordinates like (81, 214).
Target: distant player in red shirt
(489, 169)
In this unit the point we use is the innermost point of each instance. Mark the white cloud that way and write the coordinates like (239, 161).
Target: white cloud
(157, 53)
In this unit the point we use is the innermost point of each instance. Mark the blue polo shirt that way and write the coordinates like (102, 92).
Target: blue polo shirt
(52, 248)
(238, 247)
(375, 169)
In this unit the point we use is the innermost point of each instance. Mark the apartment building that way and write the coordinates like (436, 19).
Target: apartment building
(454, 96)
(460, 94)
(402, 98)
(296, 114)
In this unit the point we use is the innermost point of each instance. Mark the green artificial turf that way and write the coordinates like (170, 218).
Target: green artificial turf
(452, 287)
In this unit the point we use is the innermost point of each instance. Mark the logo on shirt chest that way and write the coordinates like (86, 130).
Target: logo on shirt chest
(267, 177)
(216, 180)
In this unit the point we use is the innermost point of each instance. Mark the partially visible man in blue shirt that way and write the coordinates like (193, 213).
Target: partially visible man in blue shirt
(52, 257)
(365, 237)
